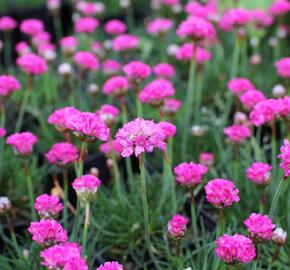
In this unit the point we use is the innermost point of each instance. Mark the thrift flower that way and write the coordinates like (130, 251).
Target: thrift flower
(237, 133)
(108, 114)
(32, 64)
(22, 143)
(206, 159)
(116, 86)
(283, 67)
(164, 70)
(279, 236)
(176, 227)
(239, 86)
(285, 157)
(31, 27)
(251, 98)
(259, 173)
(8, 85)
(5, 205)
(279, 7)
(68, 44)
(115, 27)
(159, 26)
(87, 61)
(2, 132)
(171, 106)
(47, 206)
(86, 25)
(125, 42)
(168, 128)
(110, 266)
(109, 148)
(111, 67)
(233, 18)
(137, 71)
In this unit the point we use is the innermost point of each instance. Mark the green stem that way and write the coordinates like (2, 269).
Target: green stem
(30, 190)
(139, 106)
(57, 25)
(76, 221)
(274, 148)
(82, 159)
(8, 53)
(255, 262)
(65, 201)
(2, 124)
(236, 56)
(13, 236)
(276, 197)
(22, 110)
(86, 229)
(198, 97)
(262, 200)
(193, 215)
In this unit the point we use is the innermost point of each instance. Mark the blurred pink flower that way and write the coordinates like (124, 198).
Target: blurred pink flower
(206, 158)
(40, 38)
(110, 266)
(22, 142)
(90, 8)
(251, 98)
(86, 25)
(239, 86)
(8, 85)
(234, 17)
(171, 105)
(22, 48)
(170, 2)
(125, 42)
(115, 27)
(186, 51)
(111, 67)
(176, 227)
(7, 23)
(31, 26)
(206, 11)
(285, 158)
(69, 44)
(283, 67)
(168, 128)
(108, 114)
(32, 64)
(279, 7)
(261, 18)
(284, 104)
(164, 70)
(259, 173)
(2, 132)
(108, 148)
(237, 133)
(47, 206)
(137, 71)
(87, 60)
(116, 86)
(159, 26)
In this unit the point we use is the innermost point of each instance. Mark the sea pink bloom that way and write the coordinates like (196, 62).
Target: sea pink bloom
(187, 50)
(32, 64)
(279, 7)
(234, 17)
(110, 266)
(116, 86)
(31, 26)
(53, 5)
(40, 38)
(8, 85)
(86, 25)
(170, 2)
(159, 26)
(115, 27)
(171, 106)
(239, 86)
(139, 136)
(87, 60)
(176, 227)
(284, 104)
(68, 44)
(76, 264)
(235, 250)
(189, 174)
(86, 186)
(47, 232)
(2, 132)
(259, 173)
(283, 67)
(109, 148)
(285, 157)
(251, 98)
(90, 8)
(202, 55)
(221, 193)
(62, 154)
(88, 127)
(108, 114)
(261, 18)
(7, 23)
(22, 48)
(98, 49)
(260, 227)
(164, 70)
(195, 8)
(22, 142)
(206, 159)
(168, 128)
(137, 71)
(237, 133)
(47, 206)
(111, 67)
(156, 91)
(125, 42)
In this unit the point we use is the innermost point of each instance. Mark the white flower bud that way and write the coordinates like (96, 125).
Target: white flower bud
(278, 91)
(110, 163)
(93, 88)
(100, 8)
(254, 42)
(25, 253)
(49, 55)
(65, 69)
(155, 4)
(94, 171)
(197, 130)
(282, 32)
(255, 59)
(240, 118)
(176, 9)
(5, 205)
(53, 5)
(273, 41)
(124, 3)
(172, 49)
(279, 236)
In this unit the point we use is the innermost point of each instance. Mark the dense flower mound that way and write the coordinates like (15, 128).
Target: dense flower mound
(261, 18)
(235, 17)
(285, 157)
(110, 266)
(259, 173)
(239, 86)
(8, 85)
(164, 70)
(237, 133)
(47, 232)
(159, 26)
(22, 142)
(221, 193)
(7, 23)
(236, 249)
(176, 227)
(108, 114)
(251, 98)
(32, 64)
(260, 227)
(125, 42)
(189, 174)
(137, 71)
(139, 136)
(116, 86)
(283, 67)
(86, 25)
(115, 27)
(168, 128)
(31, 27)
(47, 206)
(206, 158)
(62, 154)
(87, 60)
(90, 8)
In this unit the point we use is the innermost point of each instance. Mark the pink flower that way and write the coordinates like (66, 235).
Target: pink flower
(90, 8)
(68, 44)
(164, 70)
(115, 27)
(235, 250)
(62, 154)
(201, 55)
(261, 18)
(235, 17)
(239, 86)
(170, 2)
(111, 67)
(279, 7)
(285, 157)
(31, 26)
(47, 232)
(87, 60)
(88, 127)
(137, 71)
(32, 64)
(283, 67)
(195, 8)
(22, 48)
(22, 142)
(76, 264)
(159, 26)
(168, 128)
(97, 49)
(177, 226)
(187, 51)
(125, 42)
(237, 133)
(251, 98)
(259, 173)
(110, 266)
(8, 85)
(260, 227)
(139, 136)
(2, 132)
(221, 193)
(86, 187)
(40, 38)
(206, 159)
(108, 114)
(116, 86)
(156, 91)
(86, 25)
(7, 23)
(109, 148)
(189, 174)
(284, 104)
(47, 206)
(171, 106)
(53, 5)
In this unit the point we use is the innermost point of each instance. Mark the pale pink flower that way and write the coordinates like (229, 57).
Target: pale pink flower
(8, 85)
(235, 250)
(261, 18)
(206, 159)
(234, 17)
(195, 8)
(111, 67)
(32, 64)
(221, 193)
(68, 44)
(137, 71)
(259, 173)
(285, 158)
(139, 136)
(47, 206)
(115, 27)
(125, 42)
(283, 67)
(40, 38)
(189, 174)
(110, 266)
(47, 232)
(284, 104)
(116, 86)
(279, 7)
(176, 227)
(97, 49)
(168, 128)
(187, 51)
(171, 106)
(251, 98)
(237, 133)
(2, 132)
(108, 114)
(53, 5)
(239, 86)
(31, 26)
(260, 227)
(76, 264)
(109, 148)
(7, 23)
(22, 142)
(164, 70)
(170, 2)
(87, 60)
(202, 55)
(90, 8)
(22, 48)
(86, 25)
(159, 26)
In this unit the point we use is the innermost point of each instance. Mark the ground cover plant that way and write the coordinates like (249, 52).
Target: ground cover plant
(153, 138)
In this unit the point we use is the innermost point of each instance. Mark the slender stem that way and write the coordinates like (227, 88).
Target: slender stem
(82, 159)
(2, 124)
(193, 215)
(22, 110)
(220, 226)
(235, 61)
(275, 255)
(276, 197)
(198, 93)
(57, 25)
(86, 229)
(8, 53)
(137, 100)
(262, 200)
(76, 220)
(274, 148)
(13, 236)
(255, 262)
(177, 254)
(65, 201)
(228, 267)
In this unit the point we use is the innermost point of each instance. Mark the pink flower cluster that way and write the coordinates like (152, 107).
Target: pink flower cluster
(283, 67)
(285, 157)
(108, 114)
(111, 67)
(251, 98)
(8, 85)
(188, 50)
(206, 159)
(239, 86)
(259, 173)
(108, 148)
(164, 70)
(116, 86)
(237, 133)
(68, 44)
(177, 226)
(110, 266)
(159, 26)
(22, 142)
(31, 27)
(279, 7)
(115, 27)
(137, 71)
(261, 18)
(235, 17)
(86, 25)
(206, 11)
(168, 128)
(221, 193)
(125, 42)
(87, 60)
(7, 23)
(171, 106)
(2, 132)
(47, 206)
(32, 64)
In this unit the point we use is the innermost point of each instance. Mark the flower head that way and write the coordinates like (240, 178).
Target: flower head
(164, 70)
(2, 132)
(116, 86)
(110, 266)
(31, 27)
(261, 18)
(279, 236)
(87, 60)
(159, 26)
(47, 206)
(125, 42)
(206, 158)
(32, 64)
(251, 98)
(177, 226)
(235, 17)
(68, 44)
(109, 148)
(22, 142)
(259, 173)
(86, 25)
(115, 27)
(8, 85)
(90, 8)
(168, 128)
(5, 205)
(7, 23)
(111, 67)
(137, 71)
(205, 11)
(108, 114)
(239, 86)
(285, 157)
(171, 106)
(279, 7)
(237, 133)
(22, 47)
(283, 67)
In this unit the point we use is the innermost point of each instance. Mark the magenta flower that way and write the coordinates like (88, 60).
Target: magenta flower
(261, 18)
(237, 133)
(32, 64)
(111, 67)
(68, 44)
(284, 104)
(116, 86)
(125, 42)
(171, 106)
(47, 206)
(87, 61)
(109, 148)
(260, 227)
(22, 143)
(115, 27)
(41, 38)
(285, 157)
(259, 173)
(187, 51)
(7, 23)
(22, 48)
(86, 25)
(205, 11)
(221, 193)
(3, 132)
(8, 85)
(110, 266)
(31, 27)
(108, 114)
(159, 26)
(137, 71)
(177, 226)
(189, 174)
(47, 232)
(164, 70)
(279, 7)
(283, 67)
(235, 250)
(90, 8)
(206, 159)
(233, 18)
(168, 128)
(251, 98)
(239, 86)
(139, 136)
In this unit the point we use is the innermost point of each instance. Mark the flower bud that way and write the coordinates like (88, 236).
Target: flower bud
(278, 91)
(5, 205)
(108, 44)
(255, 59)
(282, 32)
(110, 163)
(94, 171)
(124, 3)
(25, 253)
(65, 69)
(240, 118)
(279, 236)
(93, 89)
(172, 49)
(176, 9)
(197, 130)
(254, 42)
